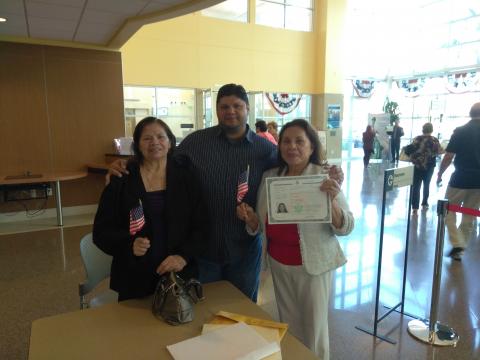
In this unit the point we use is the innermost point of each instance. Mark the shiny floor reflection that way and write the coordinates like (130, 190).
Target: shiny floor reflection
(353, 298)
(40, 272)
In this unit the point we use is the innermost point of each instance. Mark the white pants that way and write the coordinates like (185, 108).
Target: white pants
(469, 198)
(302, 301)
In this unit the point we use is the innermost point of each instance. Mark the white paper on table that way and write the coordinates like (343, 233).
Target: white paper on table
(234, 342)
(269, 334)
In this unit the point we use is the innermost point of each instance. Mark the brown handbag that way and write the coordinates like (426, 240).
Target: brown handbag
(174, 298)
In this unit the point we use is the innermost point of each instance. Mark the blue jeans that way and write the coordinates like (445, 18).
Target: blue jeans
(419, 176)
(244, 273)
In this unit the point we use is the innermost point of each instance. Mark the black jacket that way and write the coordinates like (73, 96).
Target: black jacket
(185, 218)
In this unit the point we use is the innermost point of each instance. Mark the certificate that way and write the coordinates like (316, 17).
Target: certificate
(297, 199)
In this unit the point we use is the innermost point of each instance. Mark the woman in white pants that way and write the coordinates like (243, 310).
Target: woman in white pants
(302, 256)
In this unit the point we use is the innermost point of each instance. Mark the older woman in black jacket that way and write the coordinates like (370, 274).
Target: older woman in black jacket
(151, 221)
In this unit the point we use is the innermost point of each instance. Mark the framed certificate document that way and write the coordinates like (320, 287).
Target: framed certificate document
(297, 199)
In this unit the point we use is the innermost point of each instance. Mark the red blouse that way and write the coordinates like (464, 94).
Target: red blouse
(284, 243)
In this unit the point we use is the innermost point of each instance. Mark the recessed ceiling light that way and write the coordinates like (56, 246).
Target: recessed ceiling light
(2, 19)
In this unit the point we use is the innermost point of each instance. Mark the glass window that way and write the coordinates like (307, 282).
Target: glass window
(139, 102)
(174, 106)
(207, 106)
(177, 108)
(269, 14)
(298, 19)
(287, 14)
(412, 40)
(234, 10)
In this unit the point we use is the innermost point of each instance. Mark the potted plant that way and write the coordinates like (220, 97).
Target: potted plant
(391, 108)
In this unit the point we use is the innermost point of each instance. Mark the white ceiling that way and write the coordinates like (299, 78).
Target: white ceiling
(99, 22)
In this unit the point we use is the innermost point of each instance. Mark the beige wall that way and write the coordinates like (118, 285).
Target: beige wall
(199, 52)
(195, 51)
(60, 109)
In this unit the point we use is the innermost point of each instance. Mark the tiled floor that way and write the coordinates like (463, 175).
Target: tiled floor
(40, 272)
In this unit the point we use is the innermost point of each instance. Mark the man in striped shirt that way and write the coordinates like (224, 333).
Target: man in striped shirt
(219, 155)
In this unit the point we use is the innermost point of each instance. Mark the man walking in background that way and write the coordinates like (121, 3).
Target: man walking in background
(395, 135)
(464, 186)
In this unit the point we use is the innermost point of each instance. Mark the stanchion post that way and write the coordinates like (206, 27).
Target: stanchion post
(430, 331)
(407, 240)
(437, 269)
(380, 254)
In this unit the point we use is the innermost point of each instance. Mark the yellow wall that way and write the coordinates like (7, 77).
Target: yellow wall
(334, 53)
(199, 52)
(330, 44)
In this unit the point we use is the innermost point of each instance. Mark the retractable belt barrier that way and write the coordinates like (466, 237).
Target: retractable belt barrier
(463, 210)
(429, 330)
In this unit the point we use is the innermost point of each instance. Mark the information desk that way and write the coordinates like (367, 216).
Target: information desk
(54, 178)
(128, 330)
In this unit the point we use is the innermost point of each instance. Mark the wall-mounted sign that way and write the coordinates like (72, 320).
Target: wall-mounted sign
(333, 116)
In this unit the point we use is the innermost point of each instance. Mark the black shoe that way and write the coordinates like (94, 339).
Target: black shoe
(456, 253)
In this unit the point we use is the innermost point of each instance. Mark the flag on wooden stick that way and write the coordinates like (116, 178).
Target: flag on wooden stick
(137, 219)
(242, 187)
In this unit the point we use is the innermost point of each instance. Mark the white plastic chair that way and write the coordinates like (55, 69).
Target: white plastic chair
(97, 267)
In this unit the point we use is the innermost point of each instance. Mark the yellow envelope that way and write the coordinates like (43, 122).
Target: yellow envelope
(225, 317)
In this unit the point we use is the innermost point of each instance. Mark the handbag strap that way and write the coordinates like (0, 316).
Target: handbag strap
(196, 286)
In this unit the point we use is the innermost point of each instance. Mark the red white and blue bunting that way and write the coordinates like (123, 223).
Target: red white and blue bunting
(284, 103)
(460, 83)
(363, 88)
(411, 87)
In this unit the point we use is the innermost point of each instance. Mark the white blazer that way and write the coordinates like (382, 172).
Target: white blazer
(319, 246)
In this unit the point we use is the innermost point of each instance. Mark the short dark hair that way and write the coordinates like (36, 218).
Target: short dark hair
(137, 133)
(427, 128)
(261, 125)
(232, 89)
(475, 111)
(317, 157)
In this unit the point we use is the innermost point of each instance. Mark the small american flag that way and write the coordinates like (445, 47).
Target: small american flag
(137, 219)
(242, 187)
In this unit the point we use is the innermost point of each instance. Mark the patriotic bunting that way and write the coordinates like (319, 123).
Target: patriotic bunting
(411, 87)
(460, 83)
(363, 88)
(283, 103)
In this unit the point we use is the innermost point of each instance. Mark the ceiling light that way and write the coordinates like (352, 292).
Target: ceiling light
(2, 19)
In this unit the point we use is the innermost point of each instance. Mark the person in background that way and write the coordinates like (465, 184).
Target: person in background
(272, 128)
(424, 161)
(261, 130)
(368, 137)
(464, 186)
(220, 155)
(151, 221)
(395, 135)
(302, 257)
